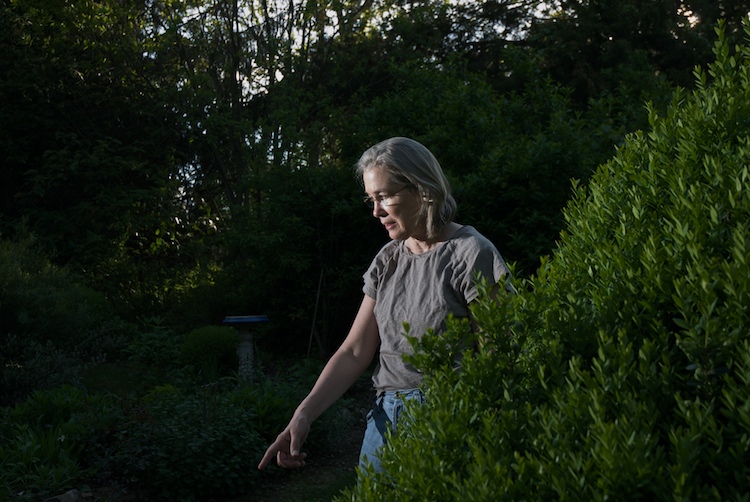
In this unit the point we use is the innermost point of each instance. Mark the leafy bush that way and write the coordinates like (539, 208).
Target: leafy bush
(184, 445)
(52, 325)
(207, 442)
(157, 345)
(212, 350)
(53, 440)
(273, 402)
(43, 301)
(622, 370)
(31, 365)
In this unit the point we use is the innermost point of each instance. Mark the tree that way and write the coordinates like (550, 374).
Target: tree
(594, 45)
(183, 153)
(89, 143)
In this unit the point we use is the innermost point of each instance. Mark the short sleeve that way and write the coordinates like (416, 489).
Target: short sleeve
(482, 259)
(370, 287)
(378, 269)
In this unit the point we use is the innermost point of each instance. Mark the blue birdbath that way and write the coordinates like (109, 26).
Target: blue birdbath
(245, 354)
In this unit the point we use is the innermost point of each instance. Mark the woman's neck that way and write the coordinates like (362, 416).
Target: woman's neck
(418, 246)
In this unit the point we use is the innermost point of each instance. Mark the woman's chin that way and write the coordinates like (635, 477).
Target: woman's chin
(397, 235)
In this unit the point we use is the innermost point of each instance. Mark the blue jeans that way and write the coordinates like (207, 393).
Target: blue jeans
(384, 417)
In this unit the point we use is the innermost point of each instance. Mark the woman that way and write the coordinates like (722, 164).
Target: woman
(426, 272)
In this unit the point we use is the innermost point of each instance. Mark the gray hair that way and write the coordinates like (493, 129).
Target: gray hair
(409, 162)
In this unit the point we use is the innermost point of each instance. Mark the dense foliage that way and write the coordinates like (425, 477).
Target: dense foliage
(622, 369)
(167, 163)
(89, 399)
(54, 439)
(183, 438)
(211, 350)
(53, 326)
(191, 159)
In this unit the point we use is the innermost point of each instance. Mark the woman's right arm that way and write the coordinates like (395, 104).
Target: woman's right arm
(346, 365)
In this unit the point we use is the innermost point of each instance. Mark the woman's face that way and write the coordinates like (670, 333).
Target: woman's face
(400, 216)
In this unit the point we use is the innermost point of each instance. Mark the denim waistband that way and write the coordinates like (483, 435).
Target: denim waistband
(389, 395)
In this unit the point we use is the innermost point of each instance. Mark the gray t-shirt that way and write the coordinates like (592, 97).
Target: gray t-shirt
(422, 289)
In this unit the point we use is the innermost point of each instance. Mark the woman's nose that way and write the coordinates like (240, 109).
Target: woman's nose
(378, 209)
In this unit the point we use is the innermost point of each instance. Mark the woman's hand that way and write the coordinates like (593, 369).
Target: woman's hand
(343, 368)
(287, 446)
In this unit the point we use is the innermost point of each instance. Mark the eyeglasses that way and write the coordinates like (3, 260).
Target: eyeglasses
(383, 200)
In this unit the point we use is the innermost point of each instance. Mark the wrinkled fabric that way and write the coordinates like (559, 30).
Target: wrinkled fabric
(383, 417)
(421, 290)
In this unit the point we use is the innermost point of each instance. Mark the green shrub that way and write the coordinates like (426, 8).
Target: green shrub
(273, 402)
(43, 301)
(621, 370)
(51, 324)
(212, 350)
(182, 445)
(30, 365)
(156, 345)
(53, 440)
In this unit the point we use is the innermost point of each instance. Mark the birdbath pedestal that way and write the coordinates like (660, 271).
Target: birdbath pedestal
(244, 324)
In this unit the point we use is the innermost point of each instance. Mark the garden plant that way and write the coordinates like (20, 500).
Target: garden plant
(168, 164)
(621, 370)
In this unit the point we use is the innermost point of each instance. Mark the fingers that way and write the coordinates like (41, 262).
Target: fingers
(295, 445)
(287, 446)
(290, 461)
(281, 444)
(270, 453)
(286, 456)
(283, 459)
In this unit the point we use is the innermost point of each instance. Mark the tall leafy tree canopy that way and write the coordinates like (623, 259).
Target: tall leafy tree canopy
(88, 140)
(193, 156)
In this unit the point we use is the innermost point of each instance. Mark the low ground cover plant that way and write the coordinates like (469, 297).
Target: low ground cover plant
(53, 440)
(187, 440)
(92, 401)
(190, 445)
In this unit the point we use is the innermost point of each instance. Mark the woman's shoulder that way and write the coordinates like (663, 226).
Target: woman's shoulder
(389, 251)
(469, 237)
